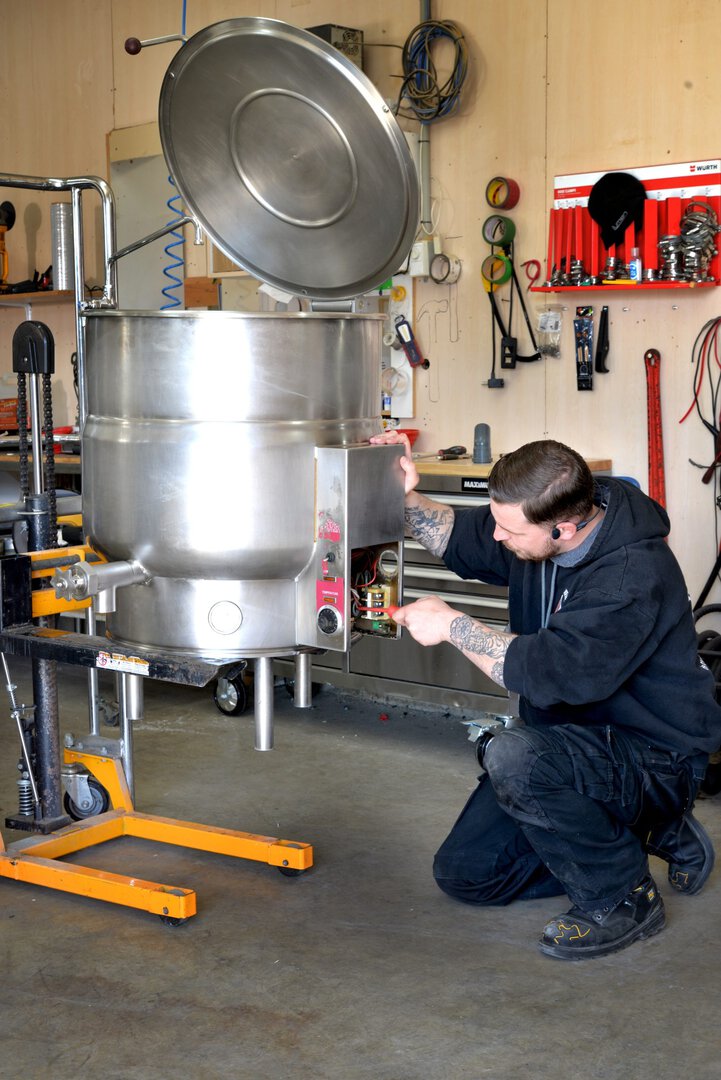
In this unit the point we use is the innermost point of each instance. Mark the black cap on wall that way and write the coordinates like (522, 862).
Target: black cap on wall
(615, 201)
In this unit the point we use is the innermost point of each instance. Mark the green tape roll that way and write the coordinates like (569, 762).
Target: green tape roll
(496, 269)
(498, 229)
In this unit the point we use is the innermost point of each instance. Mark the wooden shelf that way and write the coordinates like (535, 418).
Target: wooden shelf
(42, 296)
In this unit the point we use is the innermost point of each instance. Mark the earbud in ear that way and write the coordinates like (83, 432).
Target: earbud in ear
(555, 534)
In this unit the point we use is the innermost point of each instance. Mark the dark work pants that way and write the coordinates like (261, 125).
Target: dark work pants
(563, 809)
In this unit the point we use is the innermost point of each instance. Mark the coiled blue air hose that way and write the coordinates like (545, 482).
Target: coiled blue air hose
(174, 251)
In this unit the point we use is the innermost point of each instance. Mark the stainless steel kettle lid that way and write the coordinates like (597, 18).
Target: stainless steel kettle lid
(289, 158)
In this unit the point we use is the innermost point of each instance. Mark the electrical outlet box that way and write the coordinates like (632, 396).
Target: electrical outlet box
(419, 263)
(344, 38)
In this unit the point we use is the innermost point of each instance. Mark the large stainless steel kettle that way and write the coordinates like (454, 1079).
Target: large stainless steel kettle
(200, 447)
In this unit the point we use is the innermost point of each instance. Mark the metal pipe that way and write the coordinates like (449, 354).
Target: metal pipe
(130, 701)
(137, 244)
(37, 514)
(93, 683)
(424, 151)
(263, 688)
(84, 579)
(79, 259)
(424, 170)
(133, 45)
(47, 739)
(36, 429)
(302, 692)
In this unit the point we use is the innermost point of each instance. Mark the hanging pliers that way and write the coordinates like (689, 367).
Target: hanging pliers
(602, 345)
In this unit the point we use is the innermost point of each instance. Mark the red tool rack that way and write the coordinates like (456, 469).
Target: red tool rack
(573, 234)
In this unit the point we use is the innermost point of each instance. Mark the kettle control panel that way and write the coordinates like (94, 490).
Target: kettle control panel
(353, 581)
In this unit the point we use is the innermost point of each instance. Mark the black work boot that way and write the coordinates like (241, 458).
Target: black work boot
(686, 847)
(581, 935)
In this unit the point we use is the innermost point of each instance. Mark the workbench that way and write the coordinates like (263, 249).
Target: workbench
(64, 463)
(67, 468)
(70, 463)
(466, 467)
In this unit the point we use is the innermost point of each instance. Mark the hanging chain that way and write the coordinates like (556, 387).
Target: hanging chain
(23, 435)
(50, 458)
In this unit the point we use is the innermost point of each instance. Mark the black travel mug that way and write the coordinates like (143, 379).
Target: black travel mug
(482, 444)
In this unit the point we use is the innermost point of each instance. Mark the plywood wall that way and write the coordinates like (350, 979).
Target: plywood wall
(554, 87)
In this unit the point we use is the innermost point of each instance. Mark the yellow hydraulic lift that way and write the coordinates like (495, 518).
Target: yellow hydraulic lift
(39, 859)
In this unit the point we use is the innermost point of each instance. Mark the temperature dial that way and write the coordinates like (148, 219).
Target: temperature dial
(329, 620)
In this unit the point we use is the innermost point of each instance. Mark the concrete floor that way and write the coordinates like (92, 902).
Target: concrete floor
(360, 968)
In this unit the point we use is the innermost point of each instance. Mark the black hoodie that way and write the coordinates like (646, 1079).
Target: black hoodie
(620, 644)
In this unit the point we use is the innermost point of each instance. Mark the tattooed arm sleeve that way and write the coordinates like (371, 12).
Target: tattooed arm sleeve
(484, 647)
(429, 522)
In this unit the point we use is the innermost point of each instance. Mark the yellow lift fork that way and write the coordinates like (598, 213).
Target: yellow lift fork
(38, 858)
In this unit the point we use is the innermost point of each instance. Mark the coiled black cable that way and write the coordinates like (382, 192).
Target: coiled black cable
(426, 98)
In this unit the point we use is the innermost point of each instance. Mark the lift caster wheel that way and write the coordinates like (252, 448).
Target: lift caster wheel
(109, 712)
(99, 804)
(231, 695)
(170, 920)
(290, 871)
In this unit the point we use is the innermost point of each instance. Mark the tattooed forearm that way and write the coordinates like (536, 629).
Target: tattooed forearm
(496, 673)
(430, 525)
(472, 636)
(486, 647)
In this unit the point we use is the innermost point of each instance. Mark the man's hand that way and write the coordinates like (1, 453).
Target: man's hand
(430, 621)
(412, 479)
(427, 521)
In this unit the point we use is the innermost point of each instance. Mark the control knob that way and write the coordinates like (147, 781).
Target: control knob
(329, 620)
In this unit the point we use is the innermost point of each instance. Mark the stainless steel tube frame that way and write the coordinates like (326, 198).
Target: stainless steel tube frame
(78, 183)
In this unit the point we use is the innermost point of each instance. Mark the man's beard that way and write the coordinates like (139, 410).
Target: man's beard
(551, 549)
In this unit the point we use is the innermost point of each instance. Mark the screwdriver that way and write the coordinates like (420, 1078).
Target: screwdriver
(452, 453)
(390, 610)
